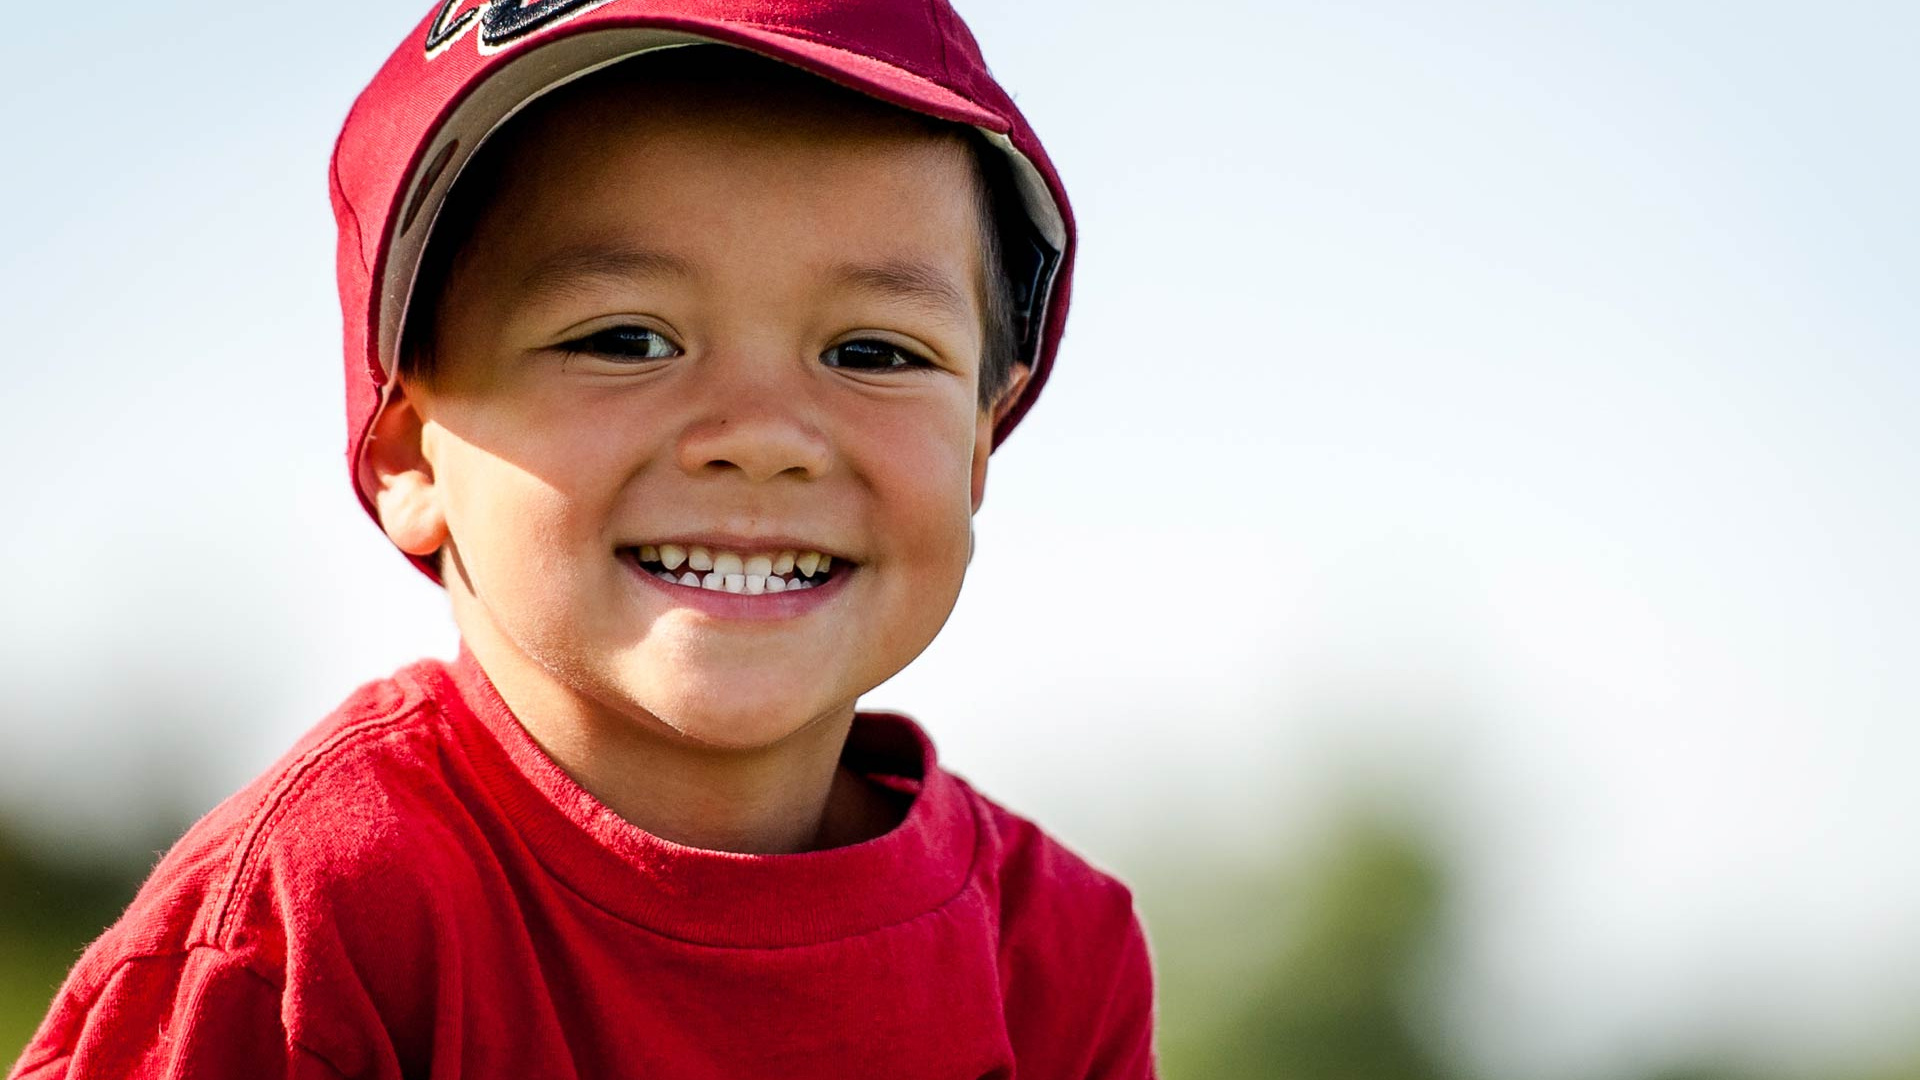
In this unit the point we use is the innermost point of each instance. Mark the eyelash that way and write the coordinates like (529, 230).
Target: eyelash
(617, 343)
(902, 359)
(614, 343)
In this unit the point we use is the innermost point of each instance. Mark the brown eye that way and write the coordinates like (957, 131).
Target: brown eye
(625, 344)
(869, 355)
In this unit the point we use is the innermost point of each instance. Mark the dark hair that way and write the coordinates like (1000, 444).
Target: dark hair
(996, 199)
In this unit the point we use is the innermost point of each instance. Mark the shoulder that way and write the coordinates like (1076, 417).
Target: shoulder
(357, 800)
(225, 903)
(328, 810)
(1057, 909)
(1039, 878)
(1069, 933)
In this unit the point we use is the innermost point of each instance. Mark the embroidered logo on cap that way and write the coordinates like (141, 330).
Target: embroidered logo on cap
(502, 22)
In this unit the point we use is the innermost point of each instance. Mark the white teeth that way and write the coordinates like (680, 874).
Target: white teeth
(727, 571)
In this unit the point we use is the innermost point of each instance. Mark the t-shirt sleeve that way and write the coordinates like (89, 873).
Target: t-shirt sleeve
(1125, 1049)
(200, 1013)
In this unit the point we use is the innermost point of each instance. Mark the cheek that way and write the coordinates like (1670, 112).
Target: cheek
(520, 533)
(564, 442)
(925, 483)
(535, 462)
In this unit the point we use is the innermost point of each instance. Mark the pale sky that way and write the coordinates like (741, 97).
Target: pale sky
(1507, 405)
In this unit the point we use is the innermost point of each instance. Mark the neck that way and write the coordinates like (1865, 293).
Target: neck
(789, 797)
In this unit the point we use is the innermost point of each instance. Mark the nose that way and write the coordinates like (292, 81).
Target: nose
(756, 422)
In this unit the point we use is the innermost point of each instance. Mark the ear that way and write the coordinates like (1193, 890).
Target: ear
(989, 421)
(404, 490)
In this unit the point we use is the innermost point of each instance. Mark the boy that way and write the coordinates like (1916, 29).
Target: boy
(678, 336)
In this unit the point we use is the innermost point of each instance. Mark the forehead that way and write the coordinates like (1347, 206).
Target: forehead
(778, 160)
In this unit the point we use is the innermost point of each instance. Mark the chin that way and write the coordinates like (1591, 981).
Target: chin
(738, 715)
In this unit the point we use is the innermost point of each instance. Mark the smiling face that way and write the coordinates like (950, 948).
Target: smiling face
(691, 328)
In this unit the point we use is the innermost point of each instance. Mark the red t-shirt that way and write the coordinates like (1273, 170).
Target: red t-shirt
(418, 890)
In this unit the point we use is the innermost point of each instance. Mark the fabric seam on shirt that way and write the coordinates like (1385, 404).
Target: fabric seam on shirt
(295, 777)
(92, 1001)
(292, 1039)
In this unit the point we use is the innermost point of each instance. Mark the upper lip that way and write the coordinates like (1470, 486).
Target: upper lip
(744, 545)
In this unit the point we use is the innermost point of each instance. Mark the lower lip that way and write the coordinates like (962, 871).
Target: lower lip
(764, 606)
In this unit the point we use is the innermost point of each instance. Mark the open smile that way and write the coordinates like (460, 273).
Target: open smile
(697, 566)
(782, 584)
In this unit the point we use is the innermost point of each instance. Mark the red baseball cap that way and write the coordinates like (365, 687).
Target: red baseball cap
(471, 64)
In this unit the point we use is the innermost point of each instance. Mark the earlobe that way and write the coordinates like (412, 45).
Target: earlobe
(404, 490)
(989, 422)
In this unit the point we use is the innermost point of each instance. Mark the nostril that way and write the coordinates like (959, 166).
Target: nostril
(760, 447)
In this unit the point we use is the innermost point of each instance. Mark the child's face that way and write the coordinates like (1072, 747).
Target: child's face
(753, 331)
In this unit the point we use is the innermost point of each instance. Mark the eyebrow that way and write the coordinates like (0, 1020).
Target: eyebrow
(569, 268)
(916, 282)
